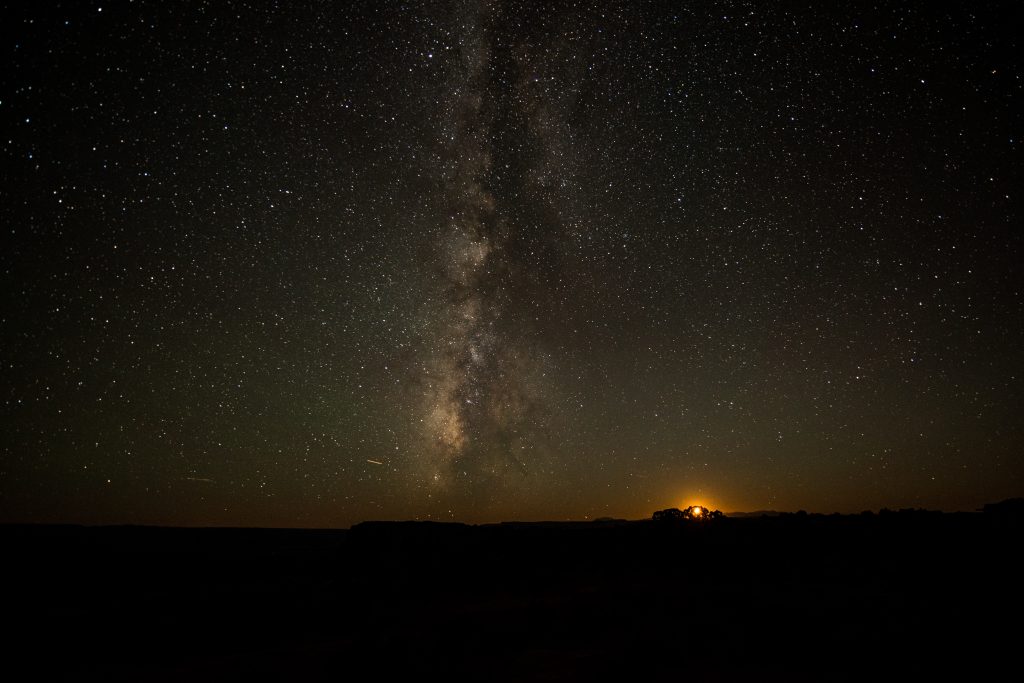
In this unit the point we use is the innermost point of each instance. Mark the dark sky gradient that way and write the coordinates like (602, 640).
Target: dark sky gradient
(469, 260)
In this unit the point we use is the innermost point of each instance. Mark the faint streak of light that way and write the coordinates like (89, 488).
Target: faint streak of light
(199, 479)
(375, 462)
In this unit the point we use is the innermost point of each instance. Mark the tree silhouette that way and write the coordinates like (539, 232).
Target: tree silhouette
(669, 515)
(694, 513)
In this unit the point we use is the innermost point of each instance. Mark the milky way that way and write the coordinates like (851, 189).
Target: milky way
(483, 401)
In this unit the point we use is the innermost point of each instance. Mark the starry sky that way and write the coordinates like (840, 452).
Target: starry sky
(312, 263)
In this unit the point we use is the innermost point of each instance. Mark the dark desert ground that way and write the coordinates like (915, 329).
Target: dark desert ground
(908, 595)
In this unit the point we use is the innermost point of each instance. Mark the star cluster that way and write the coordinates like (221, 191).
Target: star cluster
(481, 260)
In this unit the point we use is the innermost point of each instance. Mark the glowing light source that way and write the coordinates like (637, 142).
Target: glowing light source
(697, 510)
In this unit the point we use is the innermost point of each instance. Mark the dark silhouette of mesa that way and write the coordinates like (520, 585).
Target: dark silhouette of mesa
(689, 595)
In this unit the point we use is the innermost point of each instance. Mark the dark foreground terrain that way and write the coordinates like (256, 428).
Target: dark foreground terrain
(908, 595)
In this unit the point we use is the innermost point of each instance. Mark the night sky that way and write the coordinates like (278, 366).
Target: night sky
(307, 264)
